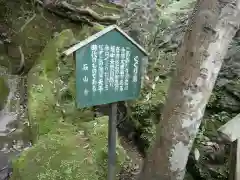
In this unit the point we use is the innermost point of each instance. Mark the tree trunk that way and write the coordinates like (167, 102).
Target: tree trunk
(211, 28)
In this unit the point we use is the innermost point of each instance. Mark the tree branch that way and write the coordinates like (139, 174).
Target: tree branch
(77, 14)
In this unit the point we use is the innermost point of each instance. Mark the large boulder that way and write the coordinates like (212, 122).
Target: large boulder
(69, 155)
(227, 91)
(4, 90)
(51, 87)
(69, 143)
(10, 101)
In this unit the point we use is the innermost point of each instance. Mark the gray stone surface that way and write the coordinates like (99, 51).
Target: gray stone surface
(228, 83)
(3, 163)
(227, 88)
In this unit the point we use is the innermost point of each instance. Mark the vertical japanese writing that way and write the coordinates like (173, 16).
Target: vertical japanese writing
(122, 68)
(100, 68)
(85, 67)
(111, 68)
(85, 79)
(117, 58)
(135, 69)
(127, 60)
(106, 67)
(94, 67)
(86, 92)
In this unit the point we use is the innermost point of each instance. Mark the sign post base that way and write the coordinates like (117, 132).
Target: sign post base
(112, 128)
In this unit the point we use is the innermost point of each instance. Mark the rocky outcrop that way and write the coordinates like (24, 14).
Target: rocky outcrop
(69, 143)
(226, 93)
(227, 90)
(11, 101)
(209, 157)
(4, 90)
(12, 116)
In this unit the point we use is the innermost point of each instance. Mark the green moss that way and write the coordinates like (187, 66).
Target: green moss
(41, 102)
(144, 113)
(49, 96)
(74, 115)
(150, 99)
(214, 122)
(61, 149)
(33, 28)
(208, 133)
(51, 53)
(97, 132)
(65, 154)
(4, 90)
(213, 102)
(34, 35)
(5, 60)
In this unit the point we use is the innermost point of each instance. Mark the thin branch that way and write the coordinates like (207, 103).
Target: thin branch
(27, 22)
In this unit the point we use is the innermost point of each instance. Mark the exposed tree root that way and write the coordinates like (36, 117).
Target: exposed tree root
(77, 14)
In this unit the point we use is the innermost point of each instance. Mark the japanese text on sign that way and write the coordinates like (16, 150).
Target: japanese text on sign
(110, 68)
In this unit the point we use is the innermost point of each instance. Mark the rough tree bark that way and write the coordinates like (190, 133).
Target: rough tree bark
(211, 28)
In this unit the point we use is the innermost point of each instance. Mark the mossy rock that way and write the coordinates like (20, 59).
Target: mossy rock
(30, 35)
(226, 97)
(188, 177)
(51, 84)
(4, 91)
(41, 91)
(63, 150)
(68, 155)
(205, 167)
